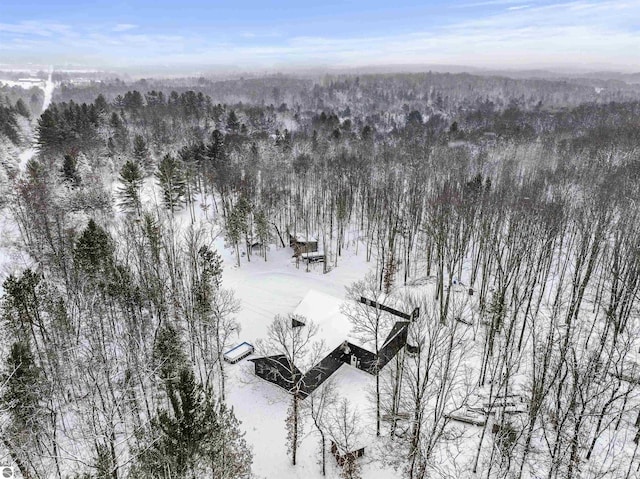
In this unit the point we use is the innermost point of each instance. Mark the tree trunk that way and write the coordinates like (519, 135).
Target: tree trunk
(294, 445)
(22, 467)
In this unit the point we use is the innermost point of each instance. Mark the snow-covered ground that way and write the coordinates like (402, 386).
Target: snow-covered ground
(26, 83)
(12, 258)
(47, 86)
(26, 155)
(276, 287)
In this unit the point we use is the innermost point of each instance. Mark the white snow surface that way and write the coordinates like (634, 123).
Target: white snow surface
(334, 326)
(26, 155)
(278, 287)
(25, 83)
(48, 91)
(324, 310)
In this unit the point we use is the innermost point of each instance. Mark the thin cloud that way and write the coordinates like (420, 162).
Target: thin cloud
(35, 28)
(123, 27)
(489, 3)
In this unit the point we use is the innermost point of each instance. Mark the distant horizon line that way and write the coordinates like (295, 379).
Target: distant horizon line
(205, 69)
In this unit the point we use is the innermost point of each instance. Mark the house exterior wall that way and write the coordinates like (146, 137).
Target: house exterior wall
(308, 247)
(367, 358)
(342, 457)
(299, 247)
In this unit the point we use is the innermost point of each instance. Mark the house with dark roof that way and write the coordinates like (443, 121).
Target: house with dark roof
(341, 346)
(278, 370)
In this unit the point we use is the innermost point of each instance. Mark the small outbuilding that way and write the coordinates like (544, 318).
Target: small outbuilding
(342, 456)
(238, 352)
(302, 244)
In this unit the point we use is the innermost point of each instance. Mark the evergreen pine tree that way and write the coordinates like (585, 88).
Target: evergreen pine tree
(196, 437)
(286, 140)
(94, 250)
(141, 153)
(234, 231)
(70, 170)
(21, 304)
(120, 137)
(23, 381)
(170, 176)
(211, 266)
(48, 129)
(168, 356)
(237, 224)
(22, 109)
(103, 462)
(228, 451)
(131, 184)
(100, 104)
(389, 274)
(233, 124)
(217, 164)
(174, 436)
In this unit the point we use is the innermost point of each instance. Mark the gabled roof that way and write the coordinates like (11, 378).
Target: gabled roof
(325, 312)
(334, 330)
(303, 239)
(279, 359)
(296, 323)
(398, 328)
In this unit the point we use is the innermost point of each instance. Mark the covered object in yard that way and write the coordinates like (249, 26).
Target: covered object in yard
(238, 353)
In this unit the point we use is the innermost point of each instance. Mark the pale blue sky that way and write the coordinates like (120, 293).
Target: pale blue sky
(262, 34)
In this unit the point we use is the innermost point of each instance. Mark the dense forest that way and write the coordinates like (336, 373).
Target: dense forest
(525, 191)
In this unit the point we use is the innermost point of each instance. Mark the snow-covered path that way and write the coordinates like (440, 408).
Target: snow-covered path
(26, 155)
(48, 90)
